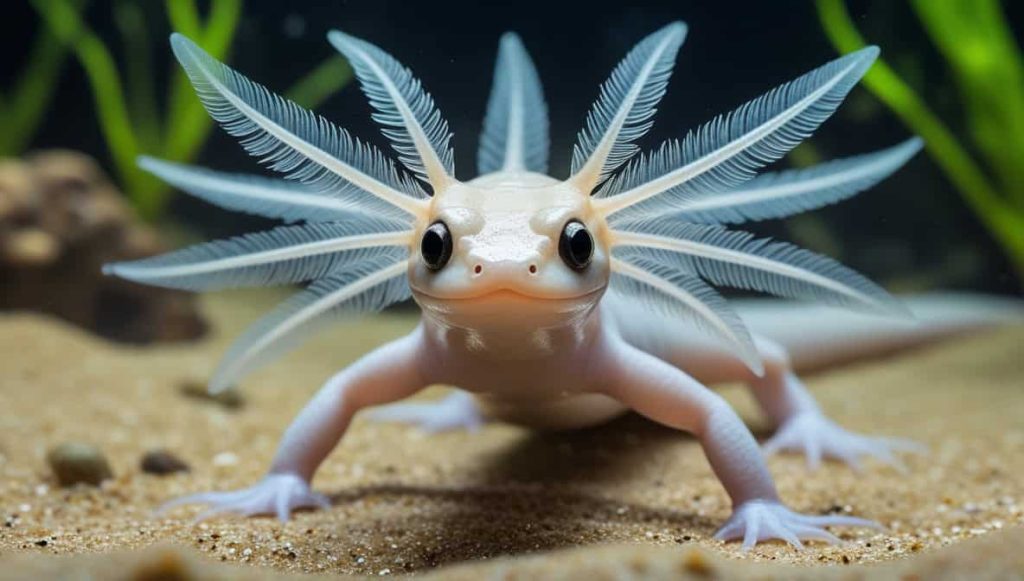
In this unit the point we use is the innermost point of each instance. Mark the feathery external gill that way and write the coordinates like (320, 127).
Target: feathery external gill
(730, 149)
(277, 198)
(284, 255)
(360, 211)
(737, 259)
(515, 136)
(358, 208)
(677, 292)
(623, 113)
(413, 124)
(650, 206)
(781, 194)
(364, 287)
(291, 140)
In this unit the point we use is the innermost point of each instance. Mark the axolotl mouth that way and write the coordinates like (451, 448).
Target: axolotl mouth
(509, 294)
(509, 308)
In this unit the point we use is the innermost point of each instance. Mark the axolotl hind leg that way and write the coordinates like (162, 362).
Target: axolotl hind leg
(456, 411)
(801, 425)
(665, 394)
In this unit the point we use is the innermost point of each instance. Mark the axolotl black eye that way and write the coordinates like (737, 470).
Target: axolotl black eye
(576, 245)
(436, 246)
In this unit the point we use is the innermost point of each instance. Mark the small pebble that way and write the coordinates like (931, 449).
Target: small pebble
(696, 564)
(225, 459)
(73, 463)
(230, 399)
(162, 462)
(164, 564)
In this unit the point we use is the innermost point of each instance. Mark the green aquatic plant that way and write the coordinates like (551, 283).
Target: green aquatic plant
(975, 39)
(23, 104)
(127, 107)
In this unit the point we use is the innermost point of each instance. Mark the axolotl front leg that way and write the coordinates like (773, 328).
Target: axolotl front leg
(667, 395)
(389, 373)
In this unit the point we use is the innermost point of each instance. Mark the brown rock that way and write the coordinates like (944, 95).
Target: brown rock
(30, 247)
(231, 399)
(61, 219)
(162, 462)
(16, 188)
(77, 463)
(697, 564)
(164, 564)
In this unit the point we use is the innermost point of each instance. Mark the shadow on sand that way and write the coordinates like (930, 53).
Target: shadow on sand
(534, 496)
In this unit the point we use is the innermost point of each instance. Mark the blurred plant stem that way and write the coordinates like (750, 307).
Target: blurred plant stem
(23, 106)
(975, 39)
(319, 83)
(66, 25)
(141, 93)
(189, 125)
(128, 111)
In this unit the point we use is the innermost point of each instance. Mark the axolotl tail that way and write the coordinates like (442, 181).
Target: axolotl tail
(818, 336)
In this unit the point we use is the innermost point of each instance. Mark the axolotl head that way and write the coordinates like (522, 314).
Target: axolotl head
(507, 249)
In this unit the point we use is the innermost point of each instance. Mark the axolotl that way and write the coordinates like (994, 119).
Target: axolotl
(555, 303)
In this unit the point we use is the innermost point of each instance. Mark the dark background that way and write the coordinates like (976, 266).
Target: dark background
(911, 232)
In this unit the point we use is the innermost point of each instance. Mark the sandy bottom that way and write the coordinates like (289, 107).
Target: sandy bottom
(627, 499)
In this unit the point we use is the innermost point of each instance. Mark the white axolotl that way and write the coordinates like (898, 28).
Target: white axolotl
(550, 303)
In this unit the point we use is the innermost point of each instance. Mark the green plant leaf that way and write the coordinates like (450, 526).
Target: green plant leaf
(184, 17)
(320, 83)
(128, 113)
(141, 96)
(187, 122)
(976, 41)
(21, 112)
(146, 193)
(1003, 221)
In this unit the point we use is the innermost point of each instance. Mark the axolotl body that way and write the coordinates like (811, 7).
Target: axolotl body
(550, 303)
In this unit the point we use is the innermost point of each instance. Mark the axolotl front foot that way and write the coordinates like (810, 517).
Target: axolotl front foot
(389, 373)
(276, 494)
(761, 520)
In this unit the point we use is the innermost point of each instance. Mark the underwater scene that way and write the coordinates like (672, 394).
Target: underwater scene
(561, 290)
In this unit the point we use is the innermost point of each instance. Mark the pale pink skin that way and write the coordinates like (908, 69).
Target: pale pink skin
(540, 344)
(525, 338)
